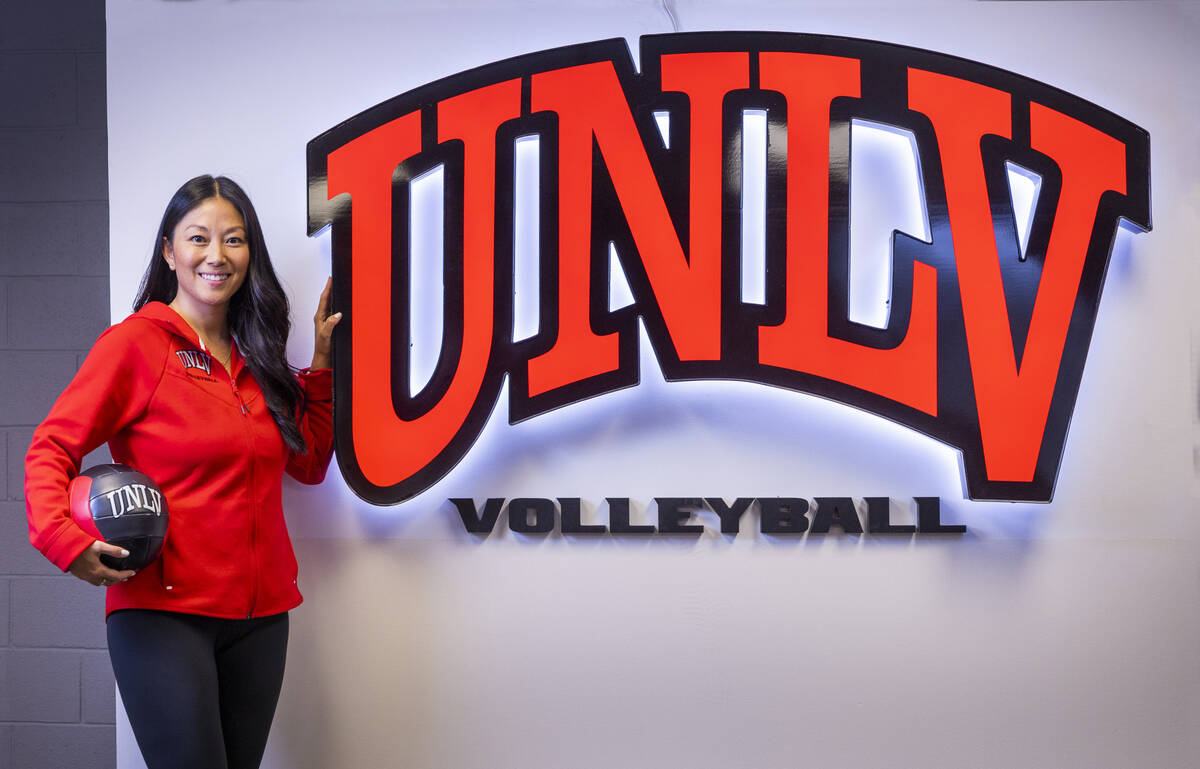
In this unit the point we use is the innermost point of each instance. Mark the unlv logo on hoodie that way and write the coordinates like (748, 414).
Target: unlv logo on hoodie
(195, 359)
(984, 348)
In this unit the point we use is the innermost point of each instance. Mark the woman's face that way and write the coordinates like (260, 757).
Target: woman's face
(209, 254)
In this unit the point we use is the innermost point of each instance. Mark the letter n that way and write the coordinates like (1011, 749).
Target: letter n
(593, 112)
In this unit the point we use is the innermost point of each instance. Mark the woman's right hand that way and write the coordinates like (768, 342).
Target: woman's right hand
(323, 323)
(87, 565)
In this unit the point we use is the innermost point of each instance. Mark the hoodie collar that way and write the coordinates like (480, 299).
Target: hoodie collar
(165, 317)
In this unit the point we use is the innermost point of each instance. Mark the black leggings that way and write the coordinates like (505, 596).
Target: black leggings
(199, 691)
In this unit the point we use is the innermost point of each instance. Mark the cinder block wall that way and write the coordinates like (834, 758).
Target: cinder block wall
(56, 685)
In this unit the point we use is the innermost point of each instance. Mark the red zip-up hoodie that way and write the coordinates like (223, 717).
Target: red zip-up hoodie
(168, 408)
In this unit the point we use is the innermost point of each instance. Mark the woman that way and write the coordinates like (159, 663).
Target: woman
(194, 390)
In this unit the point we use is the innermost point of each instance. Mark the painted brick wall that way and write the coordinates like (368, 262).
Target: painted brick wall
(56, 686)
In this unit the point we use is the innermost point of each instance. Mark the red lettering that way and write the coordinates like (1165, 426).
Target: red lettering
(591, 105)
(389, 449)
(956, 376)
(693, 312)
(1013, 402)
(907, 373)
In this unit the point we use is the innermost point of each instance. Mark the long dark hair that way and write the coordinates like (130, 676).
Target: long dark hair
(258, 313)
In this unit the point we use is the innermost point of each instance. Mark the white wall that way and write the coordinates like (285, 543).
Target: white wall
(1049, 636)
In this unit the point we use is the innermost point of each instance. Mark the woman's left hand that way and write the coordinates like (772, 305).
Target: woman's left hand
(323, 324)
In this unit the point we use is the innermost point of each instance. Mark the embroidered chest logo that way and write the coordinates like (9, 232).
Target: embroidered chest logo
(195, 359)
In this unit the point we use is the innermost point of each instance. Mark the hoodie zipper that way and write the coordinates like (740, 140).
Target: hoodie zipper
(253, 513)
(177, 325)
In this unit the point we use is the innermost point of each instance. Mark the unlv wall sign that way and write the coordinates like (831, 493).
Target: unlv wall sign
(984, 350)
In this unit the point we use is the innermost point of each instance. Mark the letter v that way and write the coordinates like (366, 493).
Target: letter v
(478, 521)
(1014, 403)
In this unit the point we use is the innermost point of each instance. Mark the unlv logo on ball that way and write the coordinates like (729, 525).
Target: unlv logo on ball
(983, 350)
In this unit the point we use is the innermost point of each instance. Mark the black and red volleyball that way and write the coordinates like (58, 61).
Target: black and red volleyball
(123, 507)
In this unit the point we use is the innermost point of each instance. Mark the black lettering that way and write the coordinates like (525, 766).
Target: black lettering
(618, 518)
(731, 517)
(839, 511)
(673, 511)
(783, 515)
(879, 517)
(531, 515)
(929, 517)
(478, 522)
(571, 518)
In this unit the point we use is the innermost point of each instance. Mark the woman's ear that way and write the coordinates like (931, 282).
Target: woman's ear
(168, 254)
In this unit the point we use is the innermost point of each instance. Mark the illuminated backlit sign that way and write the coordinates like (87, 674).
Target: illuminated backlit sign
(984, 341)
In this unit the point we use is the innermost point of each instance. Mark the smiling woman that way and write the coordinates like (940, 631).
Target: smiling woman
(209, 257)
(194, 390)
